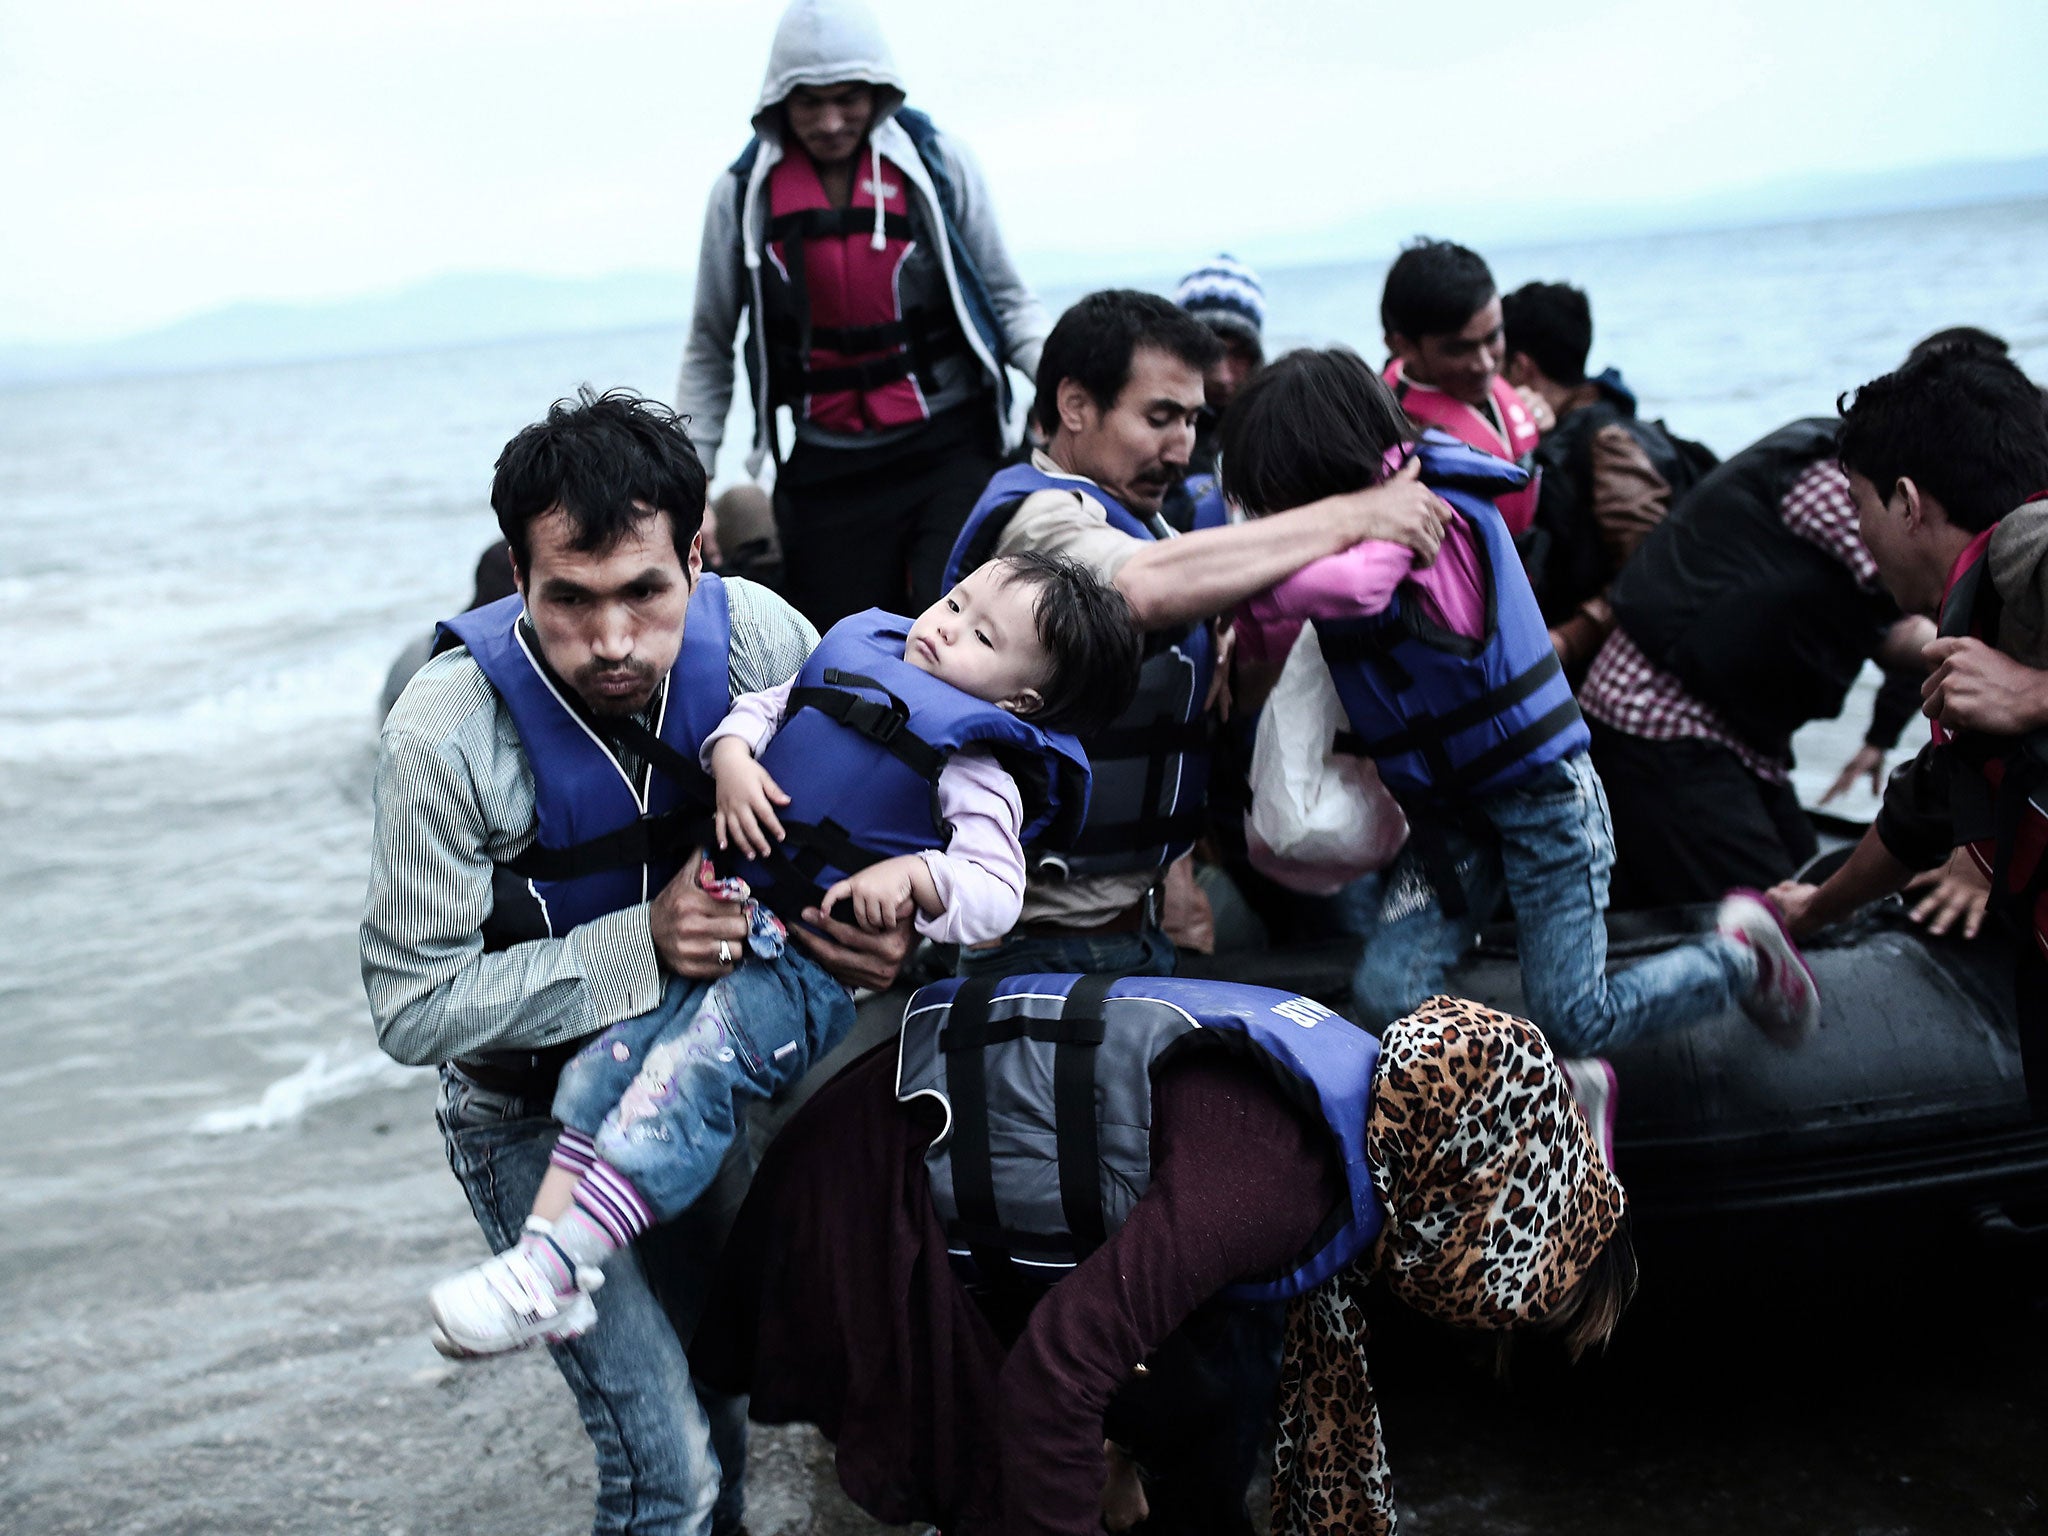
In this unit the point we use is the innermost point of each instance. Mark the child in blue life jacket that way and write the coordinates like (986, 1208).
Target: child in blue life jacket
(902, 771)
(1451, 685)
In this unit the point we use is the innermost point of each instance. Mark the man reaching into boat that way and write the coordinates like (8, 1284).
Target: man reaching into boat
(882, 310)
(1948, 463)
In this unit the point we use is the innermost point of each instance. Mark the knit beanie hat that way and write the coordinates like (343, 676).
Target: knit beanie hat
(1226, 295)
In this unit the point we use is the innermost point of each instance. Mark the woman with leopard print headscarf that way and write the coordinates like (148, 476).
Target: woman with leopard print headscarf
(1500, 1213)
(838, 1306)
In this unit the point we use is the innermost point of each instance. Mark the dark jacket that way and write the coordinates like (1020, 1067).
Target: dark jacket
(1762, 625)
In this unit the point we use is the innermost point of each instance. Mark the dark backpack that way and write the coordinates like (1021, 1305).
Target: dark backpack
(1567, 560)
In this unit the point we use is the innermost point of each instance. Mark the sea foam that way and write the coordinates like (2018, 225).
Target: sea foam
(327, 1077)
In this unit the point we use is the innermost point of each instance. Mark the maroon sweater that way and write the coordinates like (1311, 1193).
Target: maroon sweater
(837, 1305)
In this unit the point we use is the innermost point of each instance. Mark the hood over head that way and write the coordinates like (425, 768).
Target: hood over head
(827, 42)
(2019, 571)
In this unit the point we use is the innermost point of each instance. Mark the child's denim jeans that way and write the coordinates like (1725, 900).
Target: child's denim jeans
(662, 1094)
(1552, 852)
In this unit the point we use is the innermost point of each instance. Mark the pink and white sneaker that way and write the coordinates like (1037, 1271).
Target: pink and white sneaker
(509, 1302)
(1785, 1002)
(1594, 1089)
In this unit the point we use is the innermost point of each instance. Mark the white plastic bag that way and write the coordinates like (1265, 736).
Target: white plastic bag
(1319, 818)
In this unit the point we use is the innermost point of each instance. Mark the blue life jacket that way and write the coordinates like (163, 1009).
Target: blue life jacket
(606, 842)
(859, 754)
(1046, 1083)
(1206, 491)
(1152, 762)
(1445, 716)
(1196, 503)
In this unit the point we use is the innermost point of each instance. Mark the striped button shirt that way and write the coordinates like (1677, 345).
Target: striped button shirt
(454, 797)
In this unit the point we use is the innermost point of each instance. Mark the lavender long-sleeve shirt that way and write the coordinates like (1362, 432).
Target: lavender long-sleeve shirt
(979, 873)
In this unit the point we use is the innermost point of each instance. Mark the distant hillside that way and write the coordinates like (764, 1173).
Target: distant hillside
(468, 308)
(442, 312)
(1789, 200)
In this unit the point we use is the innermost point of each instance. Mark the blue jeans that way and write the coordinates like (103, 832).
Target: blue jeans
(663, 1093)
(660, 1442)
(1552, 851)
(1145, 952)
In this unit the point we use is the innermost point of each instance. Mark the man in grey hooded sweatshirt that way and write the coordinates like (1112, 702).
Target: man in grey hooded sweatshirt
(882, 310)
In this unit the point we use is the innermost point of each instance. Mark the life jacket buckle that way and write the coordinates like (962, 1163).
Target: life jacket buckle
(880, 723)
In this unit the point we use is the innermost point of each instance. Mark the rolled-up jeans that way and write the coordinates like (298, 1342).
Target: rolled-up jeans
(663, 1094)
(1549, 845)
(671, 1459)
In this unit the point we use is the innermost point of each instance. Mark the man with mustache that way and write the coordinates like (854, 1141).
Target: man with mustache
(1120, 389)
(540, 807)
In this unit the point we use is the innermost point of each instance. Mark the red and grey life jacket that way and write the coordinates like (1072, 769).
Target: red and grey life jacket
(843, 352)
(1998, 794)
(1151, 763)
(607, 839)
(859, 753)
(1509, 432)
(1046, 1083)
(966, 287)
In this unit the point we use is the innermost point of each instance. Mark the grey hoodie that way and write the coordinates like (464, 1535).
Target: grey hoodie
(825, 42)
(2019, 570)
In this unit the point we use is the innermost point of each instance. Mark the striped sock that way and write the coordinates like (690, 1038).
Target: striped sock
(608, 1214)
(574, 1151)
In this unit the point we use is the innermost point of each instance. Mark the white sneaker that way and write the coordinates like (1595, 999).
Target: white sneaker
(1785, 1002)
(1594, 1089)
(509, 1302)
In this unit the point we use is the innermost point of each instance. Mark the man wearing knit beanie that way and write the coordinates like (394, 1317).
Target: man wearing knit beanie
(1227, 296)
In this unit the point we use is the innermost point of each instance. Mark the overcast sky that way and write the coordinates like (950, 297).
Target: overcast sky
(163, 158)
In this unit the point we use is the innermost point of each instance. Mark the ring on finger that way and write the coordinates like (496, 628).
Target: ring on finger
(724, 952)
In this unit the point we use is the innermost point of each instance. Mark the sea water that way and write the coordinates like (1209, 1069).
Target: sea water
(203, 579)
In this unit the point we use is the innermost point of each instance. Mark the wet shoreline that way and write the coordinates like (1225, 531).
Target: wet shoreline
(245, 1351)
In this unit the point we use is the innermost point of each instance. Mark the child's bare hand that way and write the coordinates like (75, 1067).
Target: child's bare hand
(879, 895)
(747, 798)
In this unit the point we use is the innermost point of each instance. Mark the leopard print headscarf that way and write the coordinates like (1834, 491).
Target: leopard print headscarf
(1496, 1201)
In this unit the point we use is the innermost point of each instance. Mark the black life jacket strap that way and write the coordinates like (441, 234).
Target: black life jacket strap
(1531, 737)
(834, 223)
(974, 1178)
(1075, 1132)
(669, 835)
(796, 379)
(1425, 729)
(795, 866)
(887, 725)
(1075, 1036)
(915, 342)
(919, 326)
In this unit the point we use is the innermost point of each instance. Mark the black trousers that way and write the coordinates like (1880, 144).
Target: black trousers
(1690, 821)
(872, 528)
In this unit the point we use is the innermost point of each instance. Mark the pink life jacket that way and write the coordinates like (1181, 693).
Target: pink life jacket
(841, 351)
(1431, 407)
